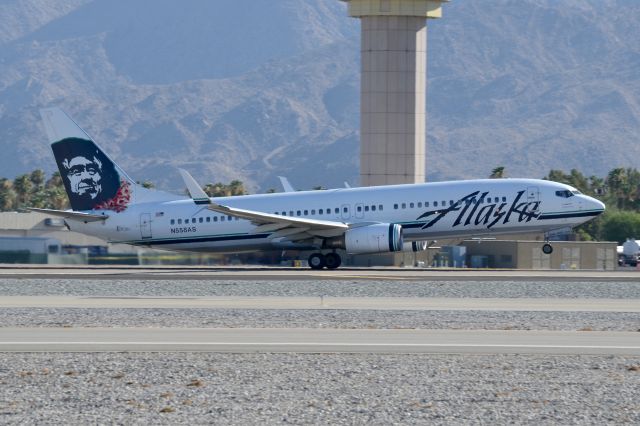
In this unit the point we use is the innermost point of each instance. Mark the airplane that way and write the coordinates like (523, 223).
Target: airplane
(107, 203)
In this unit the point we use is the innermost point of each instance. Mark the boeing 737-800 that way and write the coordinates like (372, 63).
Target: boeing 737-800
(108, 204)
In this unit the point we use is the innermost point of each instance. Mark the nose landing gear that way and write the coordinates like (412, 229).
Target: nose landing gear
(547, 248)
(329, 260)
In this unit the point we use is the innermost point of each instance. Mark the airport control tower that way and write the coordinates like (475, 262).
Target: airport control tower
(393, 88)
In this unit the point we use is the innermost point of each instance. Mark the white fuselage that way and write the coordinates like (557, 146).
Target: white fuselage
(425, 211)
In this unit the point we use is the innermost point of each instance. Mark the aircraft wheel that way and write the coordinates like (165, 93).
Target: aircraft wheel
(316, 261)
(547, 249)
(332, 260)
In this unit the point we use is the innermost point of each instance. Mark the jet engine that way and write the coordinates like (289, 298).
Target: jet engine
(376, 238)
(414, 246)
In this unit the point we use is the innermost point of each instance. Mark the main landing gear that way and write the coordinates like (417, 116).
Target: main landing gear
(547, 248)
(329, 261)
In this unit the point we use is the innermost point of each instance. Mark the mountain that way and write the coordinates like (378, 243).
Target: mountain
(252, 89)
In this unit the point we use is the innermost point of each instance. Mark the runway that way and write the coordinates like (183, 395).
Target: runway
(305, 274)
(325, 302)
(317, 341)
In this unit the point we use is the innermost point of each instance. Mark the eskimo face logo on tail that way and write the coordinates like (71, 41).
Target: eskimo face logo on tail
(90, 178)
(473, 210)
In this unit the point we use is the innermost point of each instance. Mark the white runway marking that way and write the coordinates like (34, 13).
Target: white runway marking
(317, 341)
(326, 302)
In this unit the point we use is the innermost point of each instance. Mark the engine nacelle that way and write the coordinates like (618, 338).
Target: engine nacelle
(377, 238)
(415, 246)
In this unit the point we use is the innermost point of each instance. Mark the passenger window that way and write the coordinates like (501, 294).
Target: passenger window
(306, 212)
(193, 220)
(359, 209)
(208, 219)
(504, 199)
(419, 204)
(373, 208)
(450, 202)
(345, 209)
(444, 203)
(299, 213)
(215, 218)
(173, 221)
(313, 212)
(435, 204)
(404, 205)
(222, 219)
(410, 205)
(395, 206)
(366, 208)
(426, 204)
(290, 213)
(179, 221)
(337, 210)
(230, 218)
(380, 207)
(320, 211)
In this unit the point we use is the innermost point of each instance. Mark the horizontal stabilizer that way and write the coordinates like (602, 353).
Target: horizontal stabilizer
(195, 191)
(68, 214)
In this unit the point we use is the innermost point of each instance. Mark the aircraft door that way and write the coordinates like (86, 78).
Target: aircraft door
(359, 212)
(145, 225)
(533, 196)
(345, 211)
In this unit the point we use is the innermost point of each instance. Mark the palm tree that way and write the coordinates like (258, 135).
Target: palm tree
(7, 195)
(498, 173)
(23, 185)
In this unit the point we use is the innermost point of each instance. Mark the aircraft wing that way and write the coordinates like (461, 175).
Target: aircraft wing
(68, 214)
(285, 227)
(272, 222)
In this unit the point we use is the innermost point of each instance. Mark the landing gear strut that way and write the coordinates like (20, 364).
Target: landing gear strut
(329, 260)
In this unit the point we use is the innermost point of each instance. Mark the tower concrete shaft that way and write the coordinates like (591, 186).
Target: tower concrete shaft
(393, 88)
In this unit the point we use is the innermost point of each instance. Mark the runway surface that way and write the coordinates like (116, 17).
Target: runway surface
(318, 341)
(281, 273)
(324, 302)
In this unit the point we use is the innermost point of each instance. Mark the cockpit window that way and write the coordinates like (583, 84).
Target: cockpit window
(565, 193)
(576, 192)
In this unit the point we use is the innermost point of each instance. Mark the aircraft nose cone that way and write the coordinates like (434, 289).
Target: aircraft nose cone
(597, 205)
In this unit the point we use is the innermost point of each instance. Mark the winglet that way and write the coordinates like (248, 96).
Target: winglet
(197, 193)
(286, 185)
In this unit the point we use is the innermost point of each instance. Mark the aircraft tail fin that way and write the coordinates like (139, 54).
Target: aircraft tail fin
(92, 180)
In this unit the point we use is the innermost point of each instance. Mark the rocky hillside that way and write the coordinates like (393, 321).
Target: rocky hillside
(247, 89)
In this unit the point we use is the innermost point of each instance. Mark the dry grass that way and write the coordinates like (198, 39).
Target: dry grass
(168, 410)
(196, 383)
